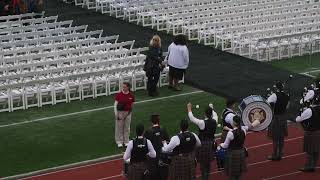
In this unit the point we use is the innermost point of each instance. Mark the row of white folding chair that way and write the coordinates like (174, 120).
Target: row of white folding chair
(117, 8)
(43, 34)
(33, 28)
(60, 88)
(224, 36)
(191, 27)
(65, 71)
(278, 47)
(202, 18)
(145, 15)
(208, 30)
(65, 61)
(61, 48)
(76, 38)
(28, 22)
(20, 17)
(177, 22)
(209, 8)
(232, 6)
(68, 61)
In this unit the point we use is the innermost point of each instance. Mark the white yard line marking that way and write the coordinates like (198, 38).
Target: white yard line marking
(93, 110)
(283, 175)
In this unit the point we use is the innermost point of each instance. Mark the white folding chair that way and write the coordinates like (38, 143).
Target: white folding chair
(17, 100)
(32, 96)
(4, 101)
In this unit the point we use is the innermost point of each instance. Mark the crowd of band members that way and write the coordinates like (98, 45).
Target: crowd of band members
(149, 150)
(15, 7)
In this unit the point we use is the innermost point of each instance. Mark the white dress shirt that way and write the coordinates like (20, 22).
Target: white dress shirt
(306, 114)
(308, 96)
(230, 136)
(127, 154)
(178, 56)
(229, 117)
(175, 141)
(200, 123)
(272, 98)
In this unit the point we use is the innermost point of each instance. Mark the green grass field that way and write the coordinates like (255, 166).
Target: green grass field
(58, 141)
(40, 139)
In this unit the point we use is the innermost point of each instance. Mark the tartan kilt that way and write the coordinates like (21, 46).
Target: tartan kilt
(136, 171)
(278, 128)
(223, 136)
(205, 152)
(235, 163)
(182, 167)
(311, 143)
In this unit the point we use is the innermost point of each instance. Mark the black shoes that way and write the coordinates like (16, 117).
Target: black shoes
(307, 169)
(274, 158)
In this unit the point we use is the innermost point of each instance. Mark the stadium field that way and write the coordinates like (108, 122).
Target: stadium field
(51, 136)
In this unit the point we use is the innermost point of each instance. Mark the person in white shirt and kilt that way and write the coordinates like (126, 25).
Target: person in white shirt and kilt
(310, 119)
(278, 129)
(182, 147)
(207, 130)
(227, 121)
(156, 134)
(137, 151)
(235, 163)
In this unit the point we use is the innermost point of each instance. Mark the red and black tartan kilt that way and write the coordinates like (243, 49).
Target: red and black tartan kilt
(278, 128)
(182, 167)
(136, 171)
(311, 143)
(205, 152)
(235, 162)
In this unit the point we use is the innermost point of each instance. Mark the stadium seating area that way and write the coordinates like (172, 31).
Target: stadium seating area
(258, 29)
(45, 61)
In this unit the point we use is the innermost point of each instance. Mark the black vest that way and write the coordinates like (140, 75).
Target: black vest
(313, 123)
(223, 118)
(139, 150)
(187, 143)
(156, 138)
(238, 140)
(280, 106)
(209, 130)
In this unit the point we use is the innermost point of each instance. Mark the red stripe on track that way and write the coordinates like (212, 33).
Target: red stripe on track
(259, 146)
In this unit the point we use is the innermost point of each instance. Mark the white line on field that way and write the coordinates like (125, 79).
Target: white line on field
(288, 174)
(93, 110)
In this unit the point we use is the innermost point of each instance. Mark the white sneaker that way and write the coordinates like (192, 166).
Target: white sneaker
(120, 145)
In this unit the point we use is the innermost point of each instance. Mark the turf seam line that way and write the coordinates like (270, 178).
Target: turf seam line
(93, 110)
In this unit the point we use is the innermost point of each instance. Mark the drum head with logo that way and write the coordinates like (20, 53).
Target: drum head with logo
(255, 110)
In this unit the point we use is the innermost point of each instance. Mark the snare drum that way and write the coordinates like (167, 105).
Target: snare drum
(254, 109)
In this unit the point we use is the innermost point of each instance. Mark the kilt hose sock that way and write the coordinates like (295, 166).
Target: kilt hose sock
(312, 160)
(205, 170)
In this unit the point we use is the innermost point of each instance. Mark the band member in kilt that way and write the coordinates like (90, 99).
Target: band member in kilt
(137, 151)
(310, 119)
(158, 166)
(227, 121)
(278, 129)
(236, 155)
(182, 147)
(207, 130)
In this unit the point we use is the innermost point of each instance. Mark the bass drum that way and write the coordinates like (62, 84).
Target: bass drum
(254, 109)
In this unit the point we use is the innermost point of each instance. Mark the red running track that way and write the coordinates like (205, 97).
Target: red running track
(259, 147)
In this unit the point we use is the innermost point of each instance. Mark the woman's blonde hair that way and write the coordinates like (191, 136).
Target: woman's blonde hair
(155, 41)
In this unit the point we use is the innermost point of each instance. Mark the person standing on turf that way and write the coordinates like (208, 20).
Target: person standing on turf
(157, 135)
(123, 109)
(207, 130)
(278, 129)
(236, 154)
(182, 147)
(310, 118)
(178, 61)
(137, 151)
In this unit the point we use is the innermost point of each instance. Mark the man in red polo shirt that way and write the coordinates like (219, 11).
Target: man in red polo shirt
(122, 109)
